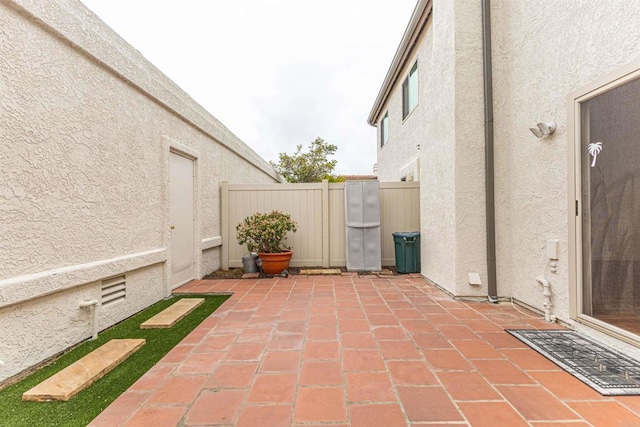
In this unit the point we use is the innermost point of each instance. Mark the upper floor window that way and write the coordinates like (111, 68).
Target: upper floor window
(384, 129)
(410, 91)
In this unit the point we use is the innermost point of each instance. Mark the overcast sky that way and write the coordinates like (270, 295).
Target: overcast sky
(276, 72)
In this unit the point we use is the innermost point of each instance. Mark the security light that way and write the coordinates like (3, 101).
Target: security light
(543, 129)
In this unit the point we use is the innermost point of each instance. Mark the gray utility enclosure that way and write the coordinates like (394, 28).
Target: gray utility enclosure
(362, 217)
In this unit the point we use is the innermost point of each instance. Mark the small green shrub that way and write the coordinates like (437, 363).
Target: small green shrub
(265, 232)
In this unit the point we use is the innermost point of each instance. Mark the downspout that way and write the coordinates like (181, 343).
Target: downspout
(490, 208)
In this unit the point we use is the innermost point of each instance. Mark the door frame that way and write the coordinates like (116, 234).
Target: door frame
(171, 146)
(574, 191)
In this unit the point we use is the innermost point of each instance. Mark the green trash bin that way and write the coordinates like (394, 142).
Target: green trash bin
(407, 247)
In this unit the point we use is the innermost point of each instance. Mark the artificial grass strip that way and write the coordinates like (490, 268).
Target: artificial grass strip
(83, 408)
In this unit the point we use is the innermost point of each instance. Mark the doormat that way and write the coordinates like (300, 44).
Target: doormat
(607, 371)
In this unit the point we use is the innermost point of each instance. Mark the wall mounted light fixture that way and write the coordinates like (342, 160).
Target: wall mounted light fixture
(544, 129)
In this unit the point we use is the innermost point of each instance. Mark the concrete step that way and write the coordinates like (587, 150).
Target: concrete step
(84, 372)
(173, 314)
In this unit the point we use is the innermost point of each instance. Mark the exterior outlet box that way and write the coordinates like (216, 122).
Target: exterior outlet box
(553, 248)
(474, 279)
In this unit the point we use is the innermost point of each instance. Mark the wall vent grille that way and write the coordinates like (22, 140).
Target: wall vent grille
(114, 290)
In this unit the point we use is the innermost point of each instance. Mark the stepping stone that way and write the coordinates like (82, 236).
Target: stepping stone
(322, 272)
(251, 275)
(84, 372)
(173, 314)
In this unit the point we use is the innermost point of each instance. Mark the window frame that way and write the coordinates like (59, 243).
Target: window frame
(384, 129)
(407, 108)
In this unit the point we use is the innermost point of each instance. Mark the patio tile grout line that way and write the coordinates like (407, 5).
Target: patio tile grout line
(423, 359)
(495, 386)
(535, 384)
(410, 290)
(446, 391)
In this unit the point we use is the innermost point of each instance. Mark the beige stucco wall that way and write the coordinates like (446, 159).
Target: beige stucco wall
(542, 51)
(87, 125)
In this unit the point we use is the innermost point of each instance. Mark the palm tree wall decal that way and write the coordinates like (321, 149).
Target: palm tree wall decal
(594, 150)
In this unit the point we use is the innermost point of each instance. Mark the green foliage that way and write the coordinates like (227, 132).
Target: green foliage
(333, 178)
(265, 232)
(312, 166)
(84, 407)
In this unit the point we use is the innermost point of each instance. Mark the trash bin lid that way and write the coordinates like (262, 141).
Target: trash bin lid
(407, 234)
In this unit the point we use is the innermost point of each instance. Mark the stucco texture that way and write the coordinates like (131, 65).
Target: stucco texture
(453, 159)
(542, 51)
(87, 125)
(447, 125)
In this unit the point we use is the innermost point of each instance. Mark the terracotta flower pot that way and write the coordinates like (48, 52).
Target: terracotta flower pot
(275, 263)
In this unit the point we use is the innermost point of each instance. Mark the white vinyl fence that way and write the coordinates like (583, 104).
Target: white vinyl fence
(318, 209)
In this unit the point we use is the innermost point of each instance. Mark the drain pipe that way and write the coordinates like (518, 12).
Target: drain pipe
(93, 304)
(490, 209)
(546, 293)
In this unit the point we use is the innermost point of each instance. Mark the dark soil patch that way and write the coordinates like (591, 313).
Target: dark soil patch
(236, 273)
(232, 273)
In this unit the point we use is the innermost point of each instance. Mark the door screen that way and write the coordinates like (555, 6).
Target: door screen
(610, 165)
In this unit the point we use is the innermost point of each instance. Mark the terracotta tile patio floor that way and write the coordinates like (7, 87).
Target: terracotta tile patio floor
(359, 351)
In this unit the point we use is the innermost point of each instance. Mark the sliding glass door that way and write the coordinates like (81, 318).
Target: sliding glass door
(610, 182)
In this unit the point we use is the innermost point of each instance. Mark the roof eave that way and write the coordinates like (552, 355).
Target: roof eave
(411, 33)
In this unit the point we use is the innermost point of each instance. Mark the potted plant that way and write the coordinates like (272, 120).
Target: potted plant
(266, 234)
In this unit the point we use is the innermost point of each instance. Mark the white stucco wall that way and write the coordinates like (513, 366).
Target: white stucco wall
(452, 173)
(542, 51)
(538, 59)
(87, 125)
(431, 128)
(400, 156)
(447, 124)
(437, 154)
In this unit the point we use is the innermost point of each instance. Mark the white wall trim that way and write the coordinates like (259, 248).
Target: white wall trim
(211, 242)
(183, 150)
(20, 289)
